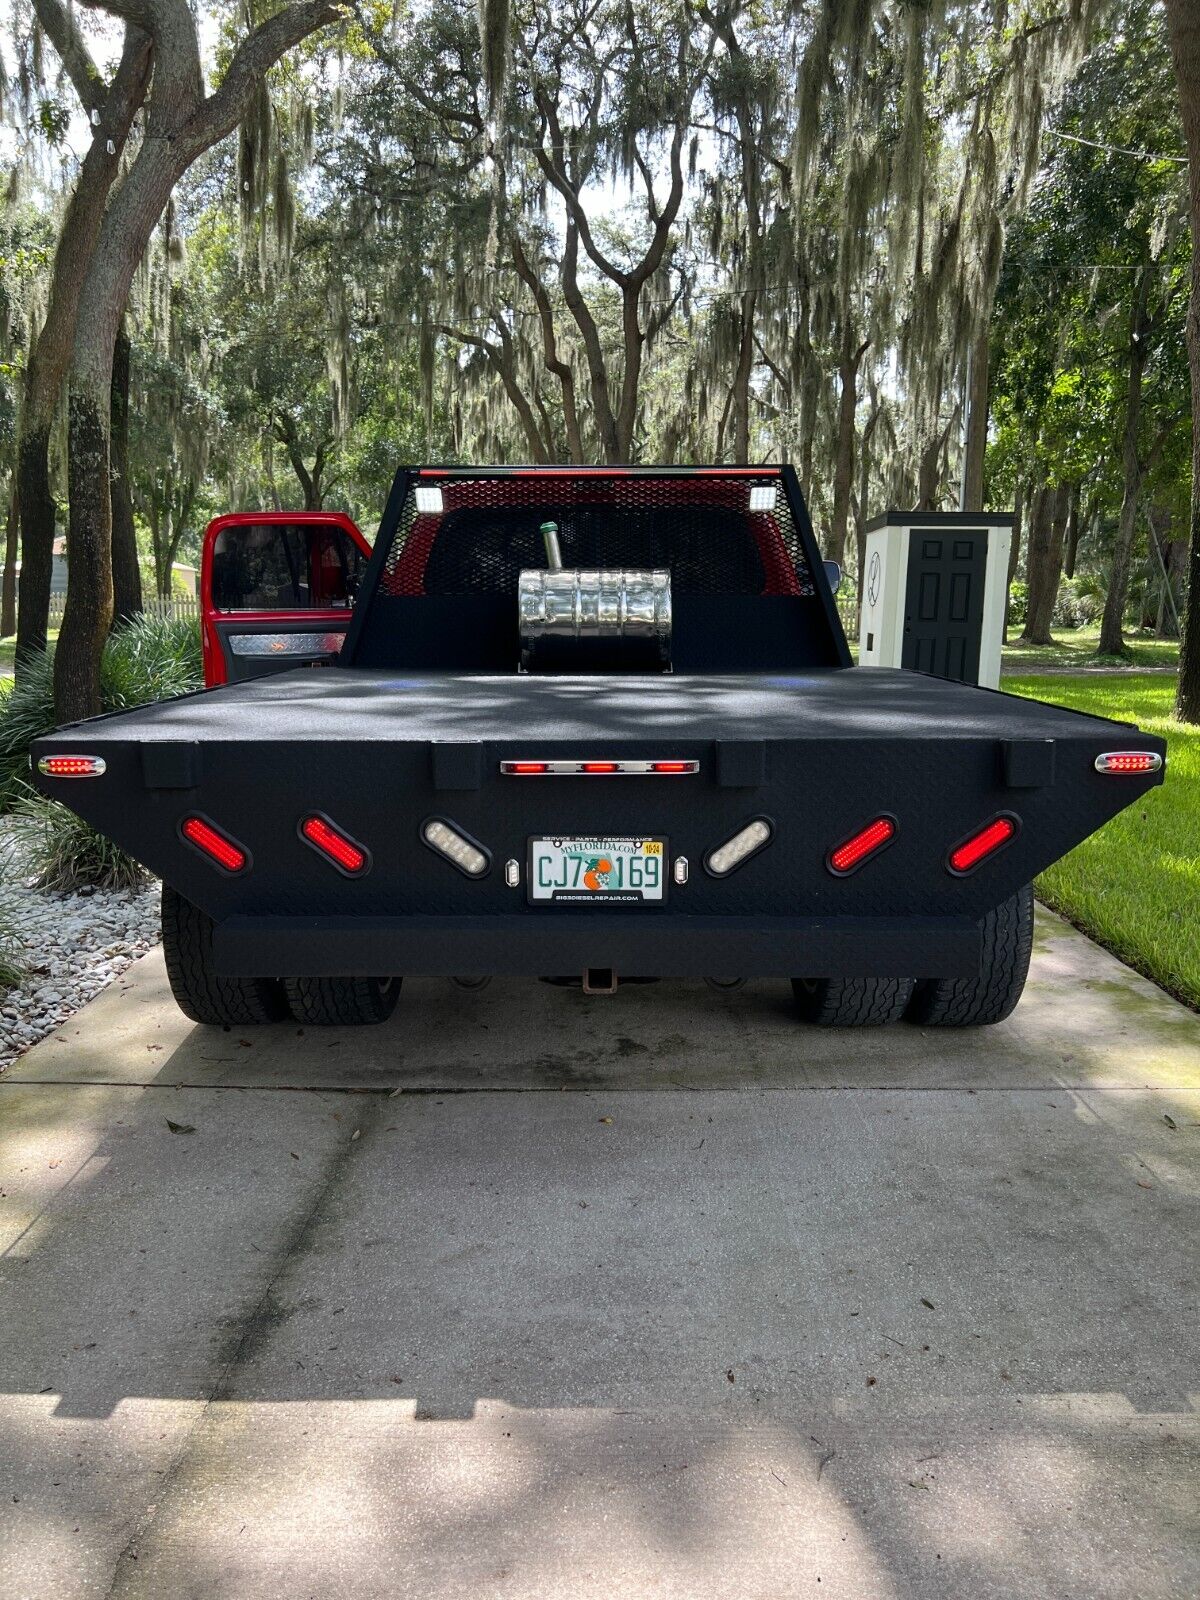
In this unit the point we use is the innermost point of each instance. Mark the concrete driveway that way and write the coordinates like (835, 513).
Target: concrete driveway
(533, 1295)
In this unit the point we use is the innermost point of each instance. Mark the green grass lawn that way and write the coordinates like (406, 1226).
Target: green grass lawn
(1135, 885)
(1076, 647)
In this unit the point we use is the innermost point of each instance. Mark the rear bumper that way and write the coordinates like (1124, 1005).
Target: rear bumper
(633, 944)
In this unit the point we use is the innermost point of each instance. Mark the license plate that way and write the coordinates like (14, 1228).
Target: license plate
(593, 870)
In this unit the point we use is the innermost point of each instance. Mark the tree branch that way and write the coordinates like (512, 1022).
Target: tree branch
(62, 30)
(252, 60)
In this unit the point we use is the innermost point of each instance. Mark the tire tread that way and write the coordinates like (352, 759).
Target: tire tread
(853, 1002)
(201, 993)
(341, 1002)
(990, 998)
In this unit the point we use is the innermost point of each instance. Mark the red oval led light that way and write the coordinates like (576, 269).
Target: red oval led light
(673, 766)
(1128, 761)
(334, 845)
(599, 766)
(218, 847)
(71, 766)
(976, 848)
(860, 846)
(526, 769)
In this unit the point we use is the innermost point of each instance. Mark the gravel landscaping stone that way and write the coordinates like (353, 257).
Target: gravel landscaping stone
(70, 945)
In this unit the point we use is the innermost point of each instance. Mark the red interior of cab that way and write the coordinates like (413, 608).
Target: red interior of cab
(325, 572)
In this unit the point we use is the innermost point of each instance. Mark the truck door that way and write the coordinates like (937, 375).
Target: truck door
(276, 591)
(943, 612)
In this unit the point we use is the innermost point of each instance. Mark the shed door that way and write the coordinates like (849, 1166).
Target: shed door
(943, 603)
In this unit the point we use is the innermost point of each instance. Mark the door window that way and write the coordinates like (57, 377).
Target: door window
(283, 566)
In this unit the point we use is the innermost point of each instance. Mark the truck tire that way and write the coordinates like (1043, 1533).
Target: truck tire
(202, 993)
(851, 1002)
(342, 1002)
(978, 1002)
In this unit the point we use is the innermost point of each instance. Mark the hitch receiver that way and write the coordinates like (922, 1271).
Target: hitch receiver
(599, 980)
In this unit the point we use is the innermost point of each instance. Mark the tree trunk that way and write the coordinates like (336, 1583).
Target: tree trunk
(929, 474)
(843, 461)
(38, 517)
(975, 444)
(1037, 547)
(1183, 27)
(8, 601)
(181, 124)
(741, 384)
(126, 573)
(1014, 555)
(87, 616)
(51, 354)
(1045, 562)
(1112, 637)
(1074, 527)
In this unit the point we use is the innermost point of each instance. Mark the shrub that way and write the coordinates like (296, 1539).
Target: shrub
(151, 658)
(1018, 604)
(27, 713)
(65, 853)
(10, 949)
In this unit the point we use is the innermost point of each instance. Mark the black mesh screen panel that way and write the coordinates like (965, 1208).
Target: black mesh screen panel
(698, 525)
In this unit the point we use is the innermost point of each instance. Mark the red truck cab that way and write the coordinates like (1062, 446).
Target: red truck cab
(276, 591)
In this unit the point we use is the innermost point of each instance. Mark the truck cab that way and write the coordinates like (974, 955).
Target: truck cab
(276, 591)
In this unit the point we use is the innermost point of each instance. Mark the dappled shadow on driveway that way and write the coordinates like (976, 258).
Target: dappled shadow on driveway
(716, 1336)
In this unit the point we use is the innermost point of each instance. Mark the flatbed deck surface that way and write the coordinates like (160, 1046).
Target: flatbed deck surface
(355, 705)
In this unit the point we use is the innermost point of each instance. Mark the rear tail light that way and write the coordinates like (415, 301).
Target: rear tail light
(1129, 761)
(338, 848)
(748, 841)
(848, 856)
(461, 851)
(598, 769)
(72, 767)
(972, 851)
(214, 845)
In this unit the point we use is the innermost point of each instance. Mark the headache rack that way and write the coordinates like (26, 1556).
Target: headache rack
(442, 587)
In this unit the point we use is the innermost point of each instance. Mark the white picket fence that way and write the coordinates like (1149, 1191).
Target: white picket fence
(179, 606)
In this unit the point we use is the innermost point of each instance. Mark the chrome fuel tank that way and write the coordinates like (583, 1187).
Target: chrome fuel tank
(595, 620)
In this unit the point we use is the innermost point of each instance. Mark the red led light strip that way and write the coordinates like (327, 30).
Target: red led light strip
(968, 855)
(341, 850)
(215, 845)
(861, 845)
(598, 769)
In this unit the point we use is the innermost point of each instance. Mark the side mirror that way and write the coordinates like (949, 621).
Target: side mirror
(833, 574)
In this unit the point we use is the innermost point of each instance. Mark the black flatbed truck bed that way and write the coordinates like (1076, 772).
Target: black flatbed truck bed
(817, 752)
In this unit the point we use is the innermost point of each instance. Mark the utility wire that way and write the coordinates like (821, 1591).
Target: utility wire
(1116, 149)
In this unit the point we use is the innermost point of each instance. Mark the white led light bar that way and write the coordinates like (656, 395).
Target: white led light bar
(429, 499)
(748, 841)
(461, 852)
(763, 496)
(666, 768)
